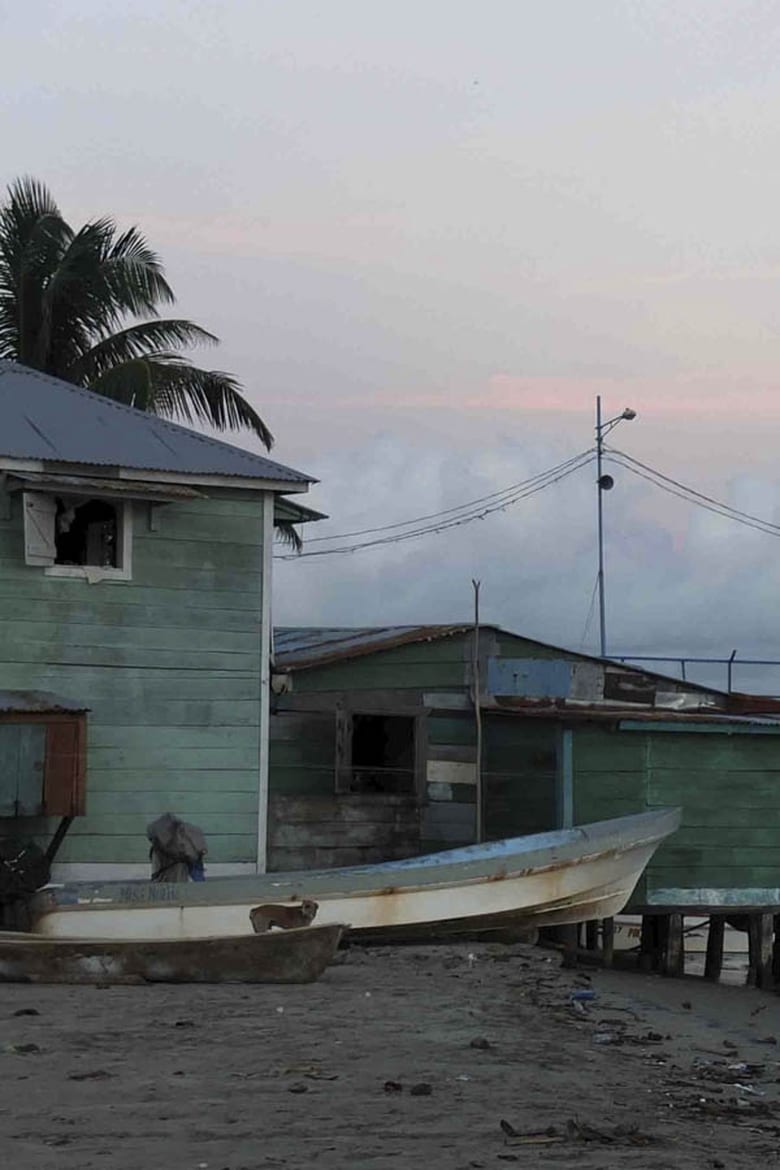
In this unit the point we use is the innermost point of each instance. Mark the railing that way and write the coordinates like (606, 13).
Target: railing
(683, 662)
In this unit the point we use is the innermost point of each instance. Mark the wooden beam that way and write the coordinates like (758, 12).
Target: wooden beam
(608, 941)
(648, 944)
(569, 936)
(713, 964)
(564, 787)
(673, 950)
(760, 934)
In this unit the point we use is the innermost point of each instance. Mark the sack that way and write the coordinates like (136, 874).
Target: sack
(177, 849)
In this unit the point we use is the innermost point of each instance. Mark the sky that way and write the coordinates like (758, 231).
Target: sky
(428, 235)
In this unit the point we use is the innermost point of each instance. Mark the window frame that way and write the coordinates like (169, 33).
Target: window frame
(94, 573)
(345, 717)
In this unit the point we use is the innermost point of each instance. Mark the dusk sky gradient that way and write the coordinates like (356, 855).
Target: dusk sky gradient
(428, 235)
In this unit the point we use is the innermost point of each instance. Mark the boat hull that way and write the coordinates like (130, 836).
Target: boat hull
(552, 878)
(294, 956)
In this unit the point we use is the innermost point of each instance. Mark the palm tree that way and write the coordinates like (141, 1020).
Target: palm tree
(69, 305)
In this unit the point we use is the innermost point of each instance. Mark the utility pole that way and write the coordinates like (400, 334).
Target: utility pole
(600, 492)
(604, 483)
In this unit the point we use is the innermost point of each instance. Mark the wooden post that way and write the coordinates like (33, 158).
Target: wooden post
(673, 951)
(760, 932)
(564, 778)
(776, 951)
(479, 795)
(592, 934)
(608, 941)
(648, 944)
(713, 964)
(569, 936)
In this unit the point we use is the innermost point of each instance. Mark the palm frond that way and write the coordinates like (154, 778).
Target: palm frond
(288, 535)
(130, 383)
(136, 274)
(33, 236)
(142, 340)
(65, 297)
(184, 392)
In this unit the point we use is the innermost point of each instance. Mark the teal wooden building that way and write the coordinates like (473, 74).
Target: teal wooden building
(135, 628)
(374, 754)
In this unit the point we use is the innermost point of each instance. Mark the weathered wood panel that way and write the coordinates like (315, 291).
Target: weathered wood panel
(169, 664)
(519, 770)
(325, 831)
(451, 772)
(435, 665)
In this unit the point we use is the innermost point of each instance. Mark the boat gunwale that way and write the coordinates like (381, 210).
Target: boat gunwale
(605, 838)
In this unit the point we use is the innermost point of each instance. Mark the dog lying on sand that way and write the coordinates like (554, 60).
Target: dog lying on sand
(264, 917)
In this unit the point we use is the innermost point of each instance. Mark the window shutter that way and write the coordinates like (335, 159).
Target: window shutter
(63, 792)
(39, 514)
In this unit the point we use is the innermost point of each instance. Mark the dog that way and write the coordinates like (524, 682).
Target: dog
(265, 917)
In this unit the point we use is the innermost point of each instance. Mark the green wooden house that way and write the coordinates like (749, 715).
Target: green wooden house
(135, 635)
(374, 754)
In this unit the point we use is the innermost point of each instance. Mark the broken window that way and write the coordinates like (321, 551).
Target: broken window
(86, 534)
(380, 755)
(74, 535)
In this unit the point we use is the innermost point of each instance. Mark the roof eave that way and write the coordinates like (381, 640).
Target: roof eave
(106, 471)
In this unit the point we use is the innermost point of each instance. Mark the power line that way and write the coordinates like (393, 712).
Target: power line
(457, 517)
(675, 488)
(490, 498)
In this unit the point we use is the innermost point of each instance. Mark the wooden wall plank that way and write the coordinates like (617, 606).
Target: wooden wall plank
(169, 665)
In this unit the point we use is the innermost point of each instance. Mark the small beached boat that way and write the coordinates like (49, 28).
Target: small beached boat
(565, 876)
(285, 956)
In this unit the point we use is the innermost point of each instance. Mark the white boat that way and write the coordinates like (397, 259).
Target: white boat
(565, 876)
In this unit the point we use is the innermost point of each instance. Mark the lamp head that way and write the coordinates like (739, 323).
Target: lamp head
(628, 414)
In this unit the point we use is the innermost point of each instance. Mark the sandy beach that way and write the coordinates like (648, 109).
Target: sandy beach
(454, 1057)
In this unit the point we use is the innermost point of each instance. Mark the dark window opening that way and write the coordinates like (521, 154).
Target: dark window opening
(383, 754)
(87, 534)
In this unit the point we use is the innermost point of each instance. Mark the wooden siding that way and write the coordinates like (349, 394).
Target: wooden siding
(433, 665)
(728, 788)
(168, 664)
(320, 832)
(519, 776)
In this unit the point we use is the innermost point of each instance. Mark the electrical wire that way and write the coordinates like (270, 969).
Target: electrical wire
(691, 495)
(456, 517)
(490, 498)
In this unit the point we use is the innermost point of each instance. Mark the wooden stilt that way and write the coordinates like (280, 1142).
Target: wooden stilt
(592, 934)
(776, 951)
(714, 962)
(608, 941)
(760, 933)
(648, 944)
(673, 960)
(569, 936)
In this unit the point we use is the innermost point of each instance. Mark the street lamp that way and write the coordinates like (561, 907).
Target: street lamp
(604, 483)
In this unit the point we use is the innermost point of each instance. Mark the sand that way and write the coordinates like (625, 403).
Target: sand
(651, 1072)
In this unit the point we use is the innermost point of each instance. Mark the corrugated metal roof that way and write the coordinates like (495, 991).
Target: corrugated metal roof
(301, 646)
(36, 703)
(45, 418)
(306, 645)
(295, 513)
(574, 712)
